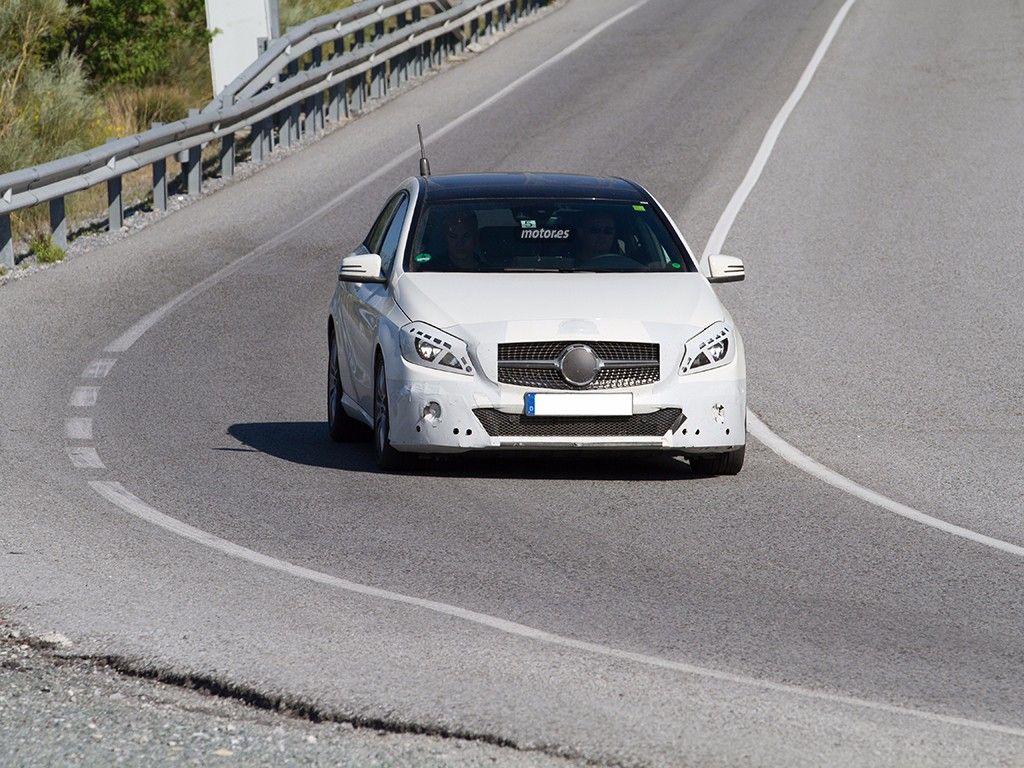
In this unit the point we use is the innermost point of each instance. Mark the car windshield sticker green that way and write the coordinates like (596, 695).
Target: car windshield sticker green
(639, 208)
(422, 258)
(676, 265)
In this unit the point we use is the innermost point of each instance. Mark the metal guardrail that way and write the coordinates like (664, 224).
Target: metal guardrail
(289, 92)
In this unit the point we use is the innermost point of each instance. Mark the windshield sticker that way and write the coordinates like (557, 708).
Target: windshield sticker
(422, 258)
(676, 265)
(639, 208)
(545, 234)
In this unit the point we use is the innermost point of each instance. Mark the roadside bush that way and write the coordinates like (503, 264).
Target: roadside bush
(45, 250)
(45, 106)
(127, 42)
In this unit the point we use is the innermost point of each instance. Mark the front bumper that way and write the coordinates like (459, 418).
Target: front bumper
(712, 419)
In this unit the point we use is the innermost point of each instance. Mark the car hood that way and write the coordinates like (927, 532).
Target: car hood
(491, 308)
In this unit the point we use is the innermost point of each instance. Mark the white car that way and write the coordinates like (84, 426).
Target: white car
(534, 311)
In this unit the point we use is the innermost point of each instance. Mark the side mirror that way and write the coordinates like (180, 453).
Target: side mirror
(725, 269)
(361, 268)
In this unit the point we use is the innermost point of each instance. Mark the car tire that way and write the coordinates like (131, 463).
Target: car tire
(711, 464)
(342, 427)
(388, 459)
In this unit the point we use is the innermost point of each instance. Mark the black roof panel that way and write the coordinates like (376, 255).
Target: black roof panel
(468, 186)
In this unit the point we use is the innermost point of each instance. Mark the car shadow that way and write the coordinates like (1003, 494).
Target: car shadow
(307, 442)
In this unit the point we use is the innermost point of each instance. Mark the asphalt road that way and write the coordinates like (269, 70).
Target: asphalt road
(766, 619)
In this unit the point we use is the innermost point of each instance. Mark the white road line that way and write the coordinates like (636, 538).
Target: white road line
(98, 369)
(129, 337)
(78, 428)
(84, 397)
(84, 457)
(725, 222)
(802, 461)
(116, 494)
(757, 427)
(120, 497)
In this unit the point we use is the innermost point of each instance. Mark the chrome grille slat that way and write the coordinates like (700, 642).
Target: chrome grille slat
(534, 364)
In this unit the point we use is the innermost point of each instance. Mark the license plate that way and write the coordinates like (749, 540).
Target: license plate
(573, 404)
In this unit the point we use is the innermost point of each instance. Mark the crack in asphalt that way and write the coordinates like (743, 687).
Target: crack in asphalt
(295, 707)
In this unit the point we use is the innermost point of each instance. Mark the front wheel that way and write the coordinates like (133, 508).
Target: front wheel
(710, 464)
(387, 457)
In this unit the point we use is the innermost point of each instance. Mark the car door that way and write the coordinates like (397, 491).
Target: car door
(363, 303)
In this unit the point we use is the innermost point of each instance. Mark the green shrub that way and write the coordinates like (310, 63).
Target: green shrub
(3, 270)
(126, 42)
(46, 251)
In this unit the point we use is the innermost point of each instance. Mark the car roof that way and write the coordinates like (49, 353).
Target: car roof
(471, 186)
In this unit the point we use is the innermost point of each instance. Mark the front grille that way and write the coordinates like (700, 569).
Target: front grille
(544, 373)
(498, 424)
(606, 350)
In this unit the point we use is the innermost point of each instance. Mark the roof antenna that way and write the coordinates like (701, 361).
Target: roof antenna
(424, 163)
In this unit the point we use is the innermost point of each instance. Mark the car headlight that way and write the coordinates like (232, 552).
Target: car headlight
(426, 345)
(713, 347)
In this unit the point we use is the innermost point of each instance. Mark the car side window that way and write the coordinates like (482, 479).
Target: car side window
(389, 248)
(375, 239)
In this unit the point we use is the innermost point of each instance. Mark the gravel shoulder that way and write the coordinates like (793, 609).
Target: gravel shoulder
(58, 708)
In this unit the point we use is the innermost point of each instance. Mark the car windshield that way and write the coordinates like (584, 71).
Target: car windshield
(544, 236)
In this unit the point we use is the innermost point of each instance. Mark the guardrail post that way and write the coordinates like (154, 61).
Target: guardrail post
(194, 164)
(263, 143)
(6, 243)
(418, 51)
(284, 138)
(159, 181)
(160, 185)
(378, 75)
(294, 111)
(256, 141)
(401, 72)
(315, 104)
(227, 156)
(339, 91)
(194, 170)
(115, 204)
(359, 91)
(58, 222)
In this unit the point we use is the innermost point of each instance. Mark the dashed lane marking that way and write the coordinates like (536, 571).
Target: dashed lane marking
(84, 397)
(98, 369)
(78, 428)
(84, 457)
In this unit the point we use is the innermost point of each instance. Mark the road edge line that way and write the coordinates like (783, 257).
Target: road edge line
(757, 427)
(119, 496)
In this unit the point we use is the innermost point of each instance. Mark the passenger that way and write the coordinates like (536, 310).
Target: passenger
(597, 236)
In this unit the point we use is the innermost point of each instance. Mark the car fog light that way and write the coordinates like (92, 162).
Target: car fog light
(432, 411)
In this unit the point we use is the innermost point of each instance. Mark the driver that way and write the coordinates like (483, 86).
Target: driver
(462, 237)
(597, 236)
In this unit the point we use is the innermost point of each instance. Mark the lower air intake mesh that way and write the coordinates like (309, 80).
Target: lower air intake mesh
(655, 424)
